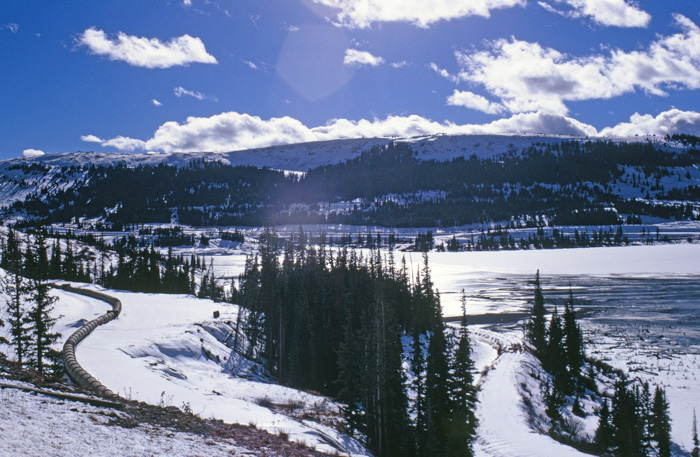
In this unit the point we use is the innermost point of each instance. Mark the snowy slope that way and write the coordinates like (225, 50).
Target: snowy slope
(38, 426)
(163, 349)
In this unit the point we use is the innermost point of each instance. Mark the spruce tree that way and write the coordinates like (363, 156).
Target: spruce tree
(555, 360)
(643, 405)
(42, 321)
(604, 432)
(437, 411)
(625, 422)
(462, 393)
(573, 341)
(696, 442)
(537, 325)
(420, 402)
(17, 298)
(661, 423)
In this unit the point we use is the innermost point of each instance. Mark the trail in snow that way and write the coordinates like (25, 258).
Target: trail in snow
(503, 429)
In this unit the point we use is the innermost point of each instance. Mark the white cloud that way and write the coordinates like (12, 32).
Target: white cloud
(528, 77)
(180, 91)
(156, 102)
(668, 122)
(124, 143)
(186, 2)
(12, 27)
(91, 139)
(146, 52)
(358, 58)
(474, 101)
(31, 153)
(617, 13)
(401, 64)
(421, 13)
(232, 131)
(250, 64)
(444, 73)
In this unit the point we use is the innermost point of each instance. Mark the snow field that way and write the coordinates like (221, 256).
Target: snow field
(37, 426)
(159, 351)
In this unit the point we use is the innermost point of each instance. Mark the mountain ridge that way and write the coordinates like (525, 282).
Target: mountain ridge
(301, 157)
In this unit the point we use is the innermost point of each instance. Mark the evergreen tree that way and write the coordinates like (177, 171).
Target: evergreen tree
(696, 442)
(643, 400)
(555, 360)
(604, 432)
(462, 422)
(573, 341)
(437, 410)
(17, 298)
(625, 422)
(43, 337)
(56, 263)
(537, 325)
(420, 402)
(661, 423)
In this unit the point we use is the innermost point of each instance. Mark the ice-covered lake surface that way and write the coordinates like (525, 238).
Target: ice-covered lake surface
(639, 283)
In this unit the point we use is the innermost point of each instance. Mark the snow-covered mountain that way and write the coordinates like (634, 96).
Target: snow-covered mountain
(304, 156)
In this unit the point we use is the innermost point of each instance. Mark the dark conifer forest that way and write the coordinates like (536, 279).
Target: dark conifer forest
(568, 183)
(342, 324)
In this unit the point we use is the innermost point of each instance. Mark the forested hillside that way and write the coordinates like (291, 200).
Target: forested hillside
(566, 183)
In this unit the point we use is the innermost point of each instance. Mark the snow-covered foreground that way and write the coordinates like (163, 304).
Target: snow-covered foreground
(164, 350)
(39, 426)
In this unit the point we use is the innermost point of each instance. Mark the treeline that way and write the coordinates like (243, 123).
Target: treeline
(571, 183)
(339, 324)
(632, 424)
(138, 268)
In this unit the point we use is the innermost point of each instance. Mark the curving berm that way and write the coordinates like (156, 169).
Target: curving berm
(73, 368)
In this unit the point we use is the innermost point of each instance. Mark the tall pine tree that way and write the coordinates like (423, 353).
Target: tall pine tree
(661, 423)
(462, 421)
(696, 442)
(42, 321)
(537, 333)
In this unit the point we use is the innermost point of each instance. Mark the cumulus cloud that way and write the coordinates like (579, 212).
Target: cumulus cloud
(231, 131)
(529, 77)
(31, 153)
(124, 143)
(358, 58)
(91, 139)
(156, 102)
(180, 91)
(421, 13)
(473, 101)
(616, 13)
(668, 122)
(146, 52)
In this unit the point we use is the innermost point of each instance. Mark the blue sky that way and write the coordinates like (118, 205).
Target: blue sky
(218, 75)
